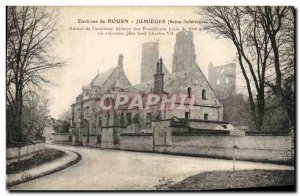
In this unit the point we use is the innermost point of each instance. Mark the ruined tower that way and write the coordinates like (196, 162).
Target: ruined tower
(150, 54)
(159, 78)
(184, 56)
(222, 78)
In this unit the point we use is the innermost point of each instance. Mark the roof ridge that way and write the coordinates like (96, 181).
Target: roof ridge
(209, 85)
(109, 71)
(187, 76)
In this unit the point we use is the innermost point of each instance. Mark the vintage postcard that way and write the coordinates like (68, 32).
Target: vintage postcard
(150, 98)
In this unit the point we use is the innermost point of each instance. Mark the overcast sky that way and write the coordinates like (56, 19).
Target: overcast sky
(86, 52)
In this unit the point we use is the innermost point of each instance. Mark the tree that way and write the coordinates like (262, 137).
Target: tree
(36, 116)
(278, 23)
(62, 125)
(247, 29)
(30, 34)
(252, 48)
(66, 116)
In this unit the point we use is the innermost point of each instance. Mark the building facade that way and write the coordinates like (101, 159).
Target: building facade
(91, 124)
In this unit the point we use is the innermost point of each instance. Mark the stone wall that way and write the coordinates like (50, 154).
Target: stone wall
(257, 148)
(107, 137)
(162, 132)
(60, 137)
(16, 154)
(136, 142)
(254, 148)
(92, 141)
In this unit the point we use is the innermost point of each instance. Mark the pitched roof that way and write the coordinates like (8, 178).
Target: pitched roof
(100, 78)
(171, 82)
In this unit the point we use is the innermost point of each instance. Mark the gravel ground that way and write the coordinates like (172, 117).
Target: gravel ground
(122, 170)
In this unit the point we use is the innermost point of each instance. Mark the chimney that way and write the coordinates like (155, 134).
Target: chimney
(158, 78)
(160, 69)
(120, 60)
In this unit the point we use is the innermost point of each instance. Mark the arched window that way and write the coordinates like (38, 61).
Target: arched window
(129, 118)
(189, 92)
(86, 113)
(204, 94)
(227, 81)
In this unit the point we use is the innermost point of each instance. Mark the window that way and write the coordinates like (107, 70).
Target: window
(122, 120)
(148, 118)
(189, 92)
(227, 81)
(204, 94)
(107, 120)
(86, 113)
(98, 138)
(205, 116)
(128, 117)
(187, 115)
(78, 117)
(222, 71)
(100, 121)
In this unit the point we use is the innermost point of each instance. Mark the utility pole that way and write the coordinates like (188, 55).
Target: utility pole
(153, 136)
(235, 133)
(233, 153)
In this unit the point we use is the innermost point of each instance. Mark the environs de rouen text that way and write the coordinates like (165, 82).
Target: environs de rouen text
(141, 21)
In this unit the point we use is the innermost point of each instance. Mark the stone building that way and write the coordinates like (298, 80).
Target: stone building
(222, 78)
(184, 56)
(92, 124)
(86, 110)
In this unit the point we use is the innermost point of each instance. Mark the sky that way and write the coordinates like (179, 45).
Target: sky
(87, 52)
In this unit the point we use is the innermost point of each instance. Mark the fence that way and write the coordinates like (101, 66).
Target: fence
(16, 154)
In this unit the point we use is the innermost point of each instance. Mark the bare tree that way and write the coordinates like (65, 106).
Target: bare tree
(66, 116)
(63, 123)
(263, 38)
(252, 47)
(30, 34)
(278, 24)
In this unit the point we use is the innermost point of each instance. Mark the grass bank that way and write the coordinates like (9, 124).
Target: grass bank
(39, 158)
(217, 180)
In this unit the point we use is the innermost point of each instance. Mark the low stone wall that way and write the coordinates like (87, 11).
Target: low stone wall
(60, 137)
(136, 142)
(107, 137)
(256, 148)
(92, 142)
(271, 147)
(16, 154)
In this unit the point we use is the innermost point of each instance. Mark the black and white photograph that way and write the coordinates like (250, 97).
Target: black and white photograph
(150, 98)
